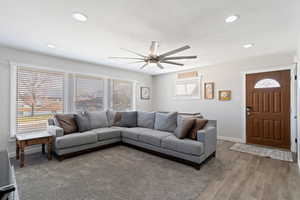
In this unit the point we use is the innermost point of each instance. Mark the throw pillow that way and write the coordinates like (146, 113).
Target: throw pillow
(184, 125)
(98, 119)
(165, 122)
(198, 125)
(83, 122)
(67, 123)
(125, 119)
(145, 119)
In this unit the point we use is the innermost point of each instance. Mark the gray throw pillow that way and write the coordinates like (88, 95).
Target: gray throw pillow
(128, 119)
(98, 119)
(145, 119)
(83, 122)
(110, 117)
(165, 122)
(184, 126)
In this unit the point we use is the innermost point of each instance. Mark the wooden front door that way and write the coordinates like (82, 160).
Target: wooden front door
(268, 108)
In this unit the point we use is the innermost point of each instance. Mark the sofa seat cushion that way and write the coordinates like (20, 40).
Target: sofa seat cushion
(133, 133)
(76, 139)
(187, 146)
(107, 133)
(153, 137)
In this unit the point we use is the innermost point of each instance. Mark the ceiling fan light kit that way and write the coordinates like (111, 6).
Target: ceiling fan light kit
(154, 57)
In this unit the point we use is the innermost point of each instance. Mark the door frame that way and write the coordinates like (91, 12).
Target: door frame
(293, 99)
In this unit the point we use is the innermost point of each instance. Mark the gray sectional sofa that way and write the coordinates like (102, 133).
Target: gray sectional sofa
(163, 143)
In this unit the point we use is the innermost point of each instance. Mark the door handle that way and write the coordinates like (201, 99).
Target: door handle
(248, 110)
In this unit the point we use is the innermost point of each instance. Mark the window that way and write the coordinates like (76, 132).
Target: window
(189, 88)
(121, 95)
(39, 95)
(89, 93)
(267, 83)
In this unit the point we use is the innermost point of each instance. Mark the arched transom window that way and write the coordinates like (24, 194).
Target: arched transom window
(267, 83)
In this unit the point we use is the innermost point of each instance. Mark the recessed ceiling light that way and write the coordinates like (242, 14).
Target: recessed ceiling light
(246, 46)
(52, 46)
(79, 17)
(232, 18)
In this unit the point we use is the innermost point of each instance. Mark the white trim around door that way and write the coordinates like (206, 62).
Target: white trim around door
(293, 114)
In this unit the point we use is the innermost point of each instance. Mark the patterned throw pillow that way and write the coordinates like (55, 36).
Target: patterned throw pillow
(67, 122)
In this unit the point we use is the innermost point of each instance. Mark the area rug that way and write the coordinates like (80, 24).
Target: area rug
(117, 173)
(264, 152)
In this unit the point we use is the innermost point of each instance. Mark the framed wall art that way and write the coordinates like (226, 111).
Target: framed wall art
(225, 95)
(145, 93)
(209, 90)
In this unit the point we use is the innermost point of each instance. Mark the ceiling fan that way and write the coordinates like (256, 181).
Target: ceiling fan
(154, 57)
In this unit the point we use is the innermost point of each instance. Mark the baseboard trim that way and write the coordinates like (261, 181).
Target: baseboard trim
(27, 151)
(231, 139)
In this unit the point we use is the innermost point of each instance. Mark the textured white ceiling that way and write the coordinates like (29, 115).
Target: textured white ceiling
(33, 24)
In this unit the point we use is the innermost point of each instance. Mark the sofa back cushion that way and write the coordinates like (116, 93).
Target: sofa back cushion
(165, 121)
(83, 122)
(198, 125)
(184, 126)
(125, 119)
(145, 119)
(98, 119)
(67, 123)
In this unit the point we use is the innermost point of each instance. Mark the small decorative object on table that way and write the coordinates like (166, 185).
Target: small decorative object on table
(209, 90)
(225, 95)
(145, 93)
(28, 139)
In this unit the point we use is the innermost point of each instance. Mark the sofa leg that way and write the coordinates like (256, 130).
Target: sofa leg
(198, 167)
(60, 158)
(213, 154)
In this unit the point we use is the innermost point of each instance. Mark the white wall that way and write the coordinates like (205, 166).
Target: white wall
(298, 102)
(13, 55)
(225, 76)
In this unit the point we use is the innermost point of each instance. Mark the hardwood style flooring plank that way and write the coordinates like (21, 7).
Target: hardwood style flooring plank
(241, 176)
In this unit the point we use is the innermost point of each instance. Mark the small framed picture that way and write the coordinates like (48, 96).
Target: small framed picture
(225, 95)
(145, 93)
(209, 90)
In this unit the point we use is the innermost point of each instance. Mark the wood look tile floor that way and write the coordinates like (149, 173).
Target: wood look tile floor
(250, 177)
(231, 175)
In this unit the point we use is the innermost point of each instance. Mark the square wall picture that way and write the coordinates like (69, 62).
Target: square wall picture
(225, 95)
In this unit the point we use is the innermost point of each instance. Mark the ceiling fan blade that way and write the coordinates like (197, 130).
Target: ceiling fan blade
(153, 48)
(160, 66)
(172, 63)
(138, 54)
(174, 51)
(144, 65)
(126, 58)
(180, 57)
(135, 62)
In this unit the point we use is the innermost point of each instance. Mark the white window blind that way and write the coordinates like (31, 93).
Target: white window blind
(121, 95)
(39, 95)
(189, 88)
(89, 93)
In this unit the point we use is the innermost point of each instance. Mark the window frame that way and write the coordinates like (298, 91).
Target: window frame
(110, 94)
(13, 92)
(74, 89)
(69, 90)
(199, 91)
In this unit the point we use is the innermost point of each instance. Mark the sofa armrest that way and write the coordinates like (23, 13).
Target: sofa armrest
(208, 136)
(55, 131)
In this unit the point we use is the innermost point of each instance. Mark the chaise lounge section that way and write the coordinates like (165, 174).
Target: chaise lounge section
(162, 143)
